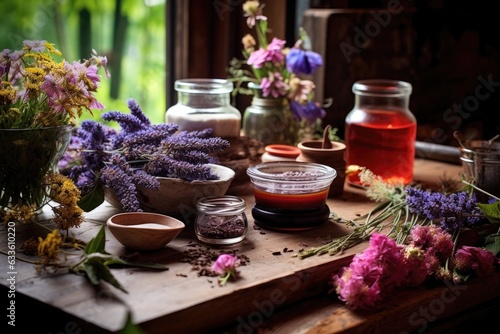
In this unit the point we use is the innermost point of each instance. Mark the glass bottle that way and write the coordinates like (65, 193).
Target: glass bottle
(380, 131)
(205, 103)
(221, 220)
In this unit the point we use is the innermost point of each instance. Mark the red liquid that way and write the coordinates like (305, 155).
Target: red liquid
(388, 149)
(291, 201)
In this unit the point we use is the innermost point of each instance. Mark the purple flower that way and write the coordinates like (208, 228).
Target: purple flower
(124, 181)
(452, 211)
(309, 112)
(136, 110)
(299, 61)
(106, 155)
(127, 122)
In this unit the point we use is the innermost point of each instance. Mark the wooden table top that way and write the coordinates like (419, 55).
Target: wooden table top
(276, 292)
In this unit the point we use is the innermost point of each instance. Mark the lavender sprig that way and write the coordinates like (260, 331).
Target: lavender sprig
(136, 111)
(125, 180)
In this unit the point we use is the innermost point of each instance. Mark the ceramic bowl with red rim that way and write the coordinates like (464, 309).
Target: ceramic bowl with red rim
(290, 194)
(280, 152)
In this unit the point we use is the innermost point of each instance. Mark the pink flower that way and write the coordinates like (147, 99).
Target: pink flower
(432, 237)
(354, 291)
(226, 265)
(274, 85)
(275, 49)
(371, 274)
(272, 54)
(35, 46)
(258, 58)
(474, 259)
(253, 12)
(430, 246)
(415, 263)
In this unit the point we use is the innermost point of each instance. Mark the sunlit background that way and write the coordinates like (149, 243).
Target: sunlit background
(131, 33)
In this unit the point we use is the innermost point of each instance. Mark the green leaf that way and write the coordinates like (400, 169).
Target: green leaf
(92, 199)
(97, 244)
(491, 211)
(90, 271)
(105, 274)
(130, 327)
(95, 272)
(120, 262)
(492, 243)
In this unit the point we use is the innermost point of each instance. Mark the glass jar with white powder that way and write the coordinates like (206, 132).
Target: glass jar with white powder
(205, 103)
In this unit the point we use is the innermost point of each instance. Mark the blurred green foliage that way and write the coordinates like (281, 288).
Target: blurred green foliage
(78, 26)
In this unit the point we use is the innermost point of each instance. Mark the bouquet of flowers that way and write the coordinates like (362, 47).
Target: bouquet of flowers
(276, 69)
(421, 240)
(41, 97)
(41, 89)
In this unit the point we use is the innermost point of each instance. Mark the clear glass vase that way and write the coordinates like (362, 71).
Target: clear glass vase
(270, 120)
(28, 155)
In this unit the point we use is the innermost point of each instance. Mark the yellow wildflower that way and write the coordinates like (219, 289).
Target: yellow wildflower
(248, 43)
(49, 246)
(51, 48)
(62, 189)
(21, 214)
(65, 192)
(66, 216)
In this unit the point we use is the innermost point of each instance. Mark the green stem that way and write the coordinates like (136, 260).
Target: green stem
(20, 258)
(455, 236)
(361, 232)
(261, 28)
(481, 190)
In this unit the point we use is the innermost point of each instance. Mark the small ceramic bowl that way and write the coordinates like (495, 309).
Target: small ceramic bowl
(177, 197)
(144, 231)
(280, 152)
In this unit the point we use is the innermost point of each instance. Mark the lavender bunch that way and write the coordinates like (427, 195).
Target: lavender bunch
(453, 211)
(134, 156)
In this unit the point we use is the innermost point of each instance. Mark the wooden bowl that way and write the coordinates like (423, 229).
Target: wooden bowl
(144, 231)
(176, 197)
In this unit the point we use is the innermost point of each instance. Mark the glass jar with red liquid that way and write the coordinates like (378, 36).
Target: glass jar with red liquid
(380, 131)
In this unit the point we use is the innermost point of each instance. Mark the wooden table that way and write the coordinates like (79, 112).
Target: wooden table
(276, 293)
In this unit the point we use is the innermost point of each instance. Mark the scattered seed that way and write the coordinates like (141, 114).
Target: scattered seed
(201, 258)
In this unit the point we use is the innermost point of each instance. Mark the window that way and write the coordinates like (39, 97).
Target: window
(131, 33)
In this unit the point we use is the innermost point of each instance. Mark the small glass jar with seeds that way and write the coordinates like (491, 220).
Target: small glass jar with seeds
(221, 220)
